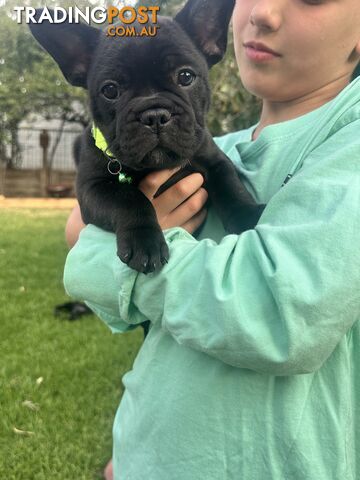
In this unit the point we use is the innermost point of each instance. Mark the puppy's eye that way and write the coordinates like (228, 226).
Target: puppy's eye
(110, 91)
(186, 77)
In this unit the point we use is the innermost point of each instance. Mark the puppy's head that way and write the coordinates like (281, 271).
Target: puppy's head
(148, 95)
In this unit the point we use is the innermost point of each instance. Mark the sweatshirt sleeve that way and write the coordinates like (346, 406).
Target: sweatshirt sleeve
(276, 299)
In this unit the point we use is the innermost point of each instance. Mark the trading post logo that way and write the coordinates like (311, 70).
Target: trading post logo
(145, 17)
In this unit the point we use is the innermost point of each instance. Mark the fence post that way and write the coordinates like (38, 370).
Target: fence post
(44, 174)
(2, 177)
(2, 170)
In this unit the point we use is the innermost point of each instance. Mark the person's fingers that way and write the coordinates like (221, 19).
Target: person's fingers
(195, 222)
(185, 211)
(150, 184)
(177, 194)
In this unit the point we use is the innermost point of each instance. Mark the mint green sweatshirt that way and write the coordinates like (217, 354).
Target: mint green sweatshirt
(251, 369)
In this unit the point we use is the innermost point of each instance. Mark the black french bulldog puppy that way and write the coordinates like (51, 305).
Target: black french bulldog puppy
(149, 97)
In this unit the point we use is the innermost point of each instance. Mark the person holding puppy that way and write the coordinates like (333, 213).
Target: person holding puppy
(250, 366)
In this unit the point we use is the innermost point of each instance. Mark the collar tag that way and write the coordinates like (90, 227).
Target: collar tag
(123, 178)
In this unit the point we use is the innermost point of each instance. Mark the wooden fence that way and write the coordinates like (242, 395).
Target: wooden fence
(33, 183)
(43, 166)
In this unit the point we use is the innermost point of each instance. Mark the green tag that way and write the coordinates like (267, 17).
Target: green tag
(123, 178)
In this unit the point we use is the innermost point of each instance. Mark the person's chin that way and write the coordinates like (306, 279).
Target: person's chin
(262, 85)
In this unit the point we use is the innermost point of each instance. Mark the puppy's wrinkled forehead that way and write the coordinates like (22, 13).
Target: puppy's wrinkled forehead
(142, 59)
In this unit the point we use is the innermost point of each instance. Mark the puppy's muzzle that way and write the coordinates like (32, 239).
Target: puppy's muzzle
(155, 118)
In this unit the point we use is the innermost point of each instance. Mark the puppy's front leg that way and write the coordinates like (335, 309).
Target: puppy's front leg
(234, 204)
(231, 199)
(123, 209)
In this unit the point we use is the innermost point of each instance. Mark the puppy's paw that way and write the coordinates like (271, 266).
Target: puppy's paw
(143, 249)
(243, 218)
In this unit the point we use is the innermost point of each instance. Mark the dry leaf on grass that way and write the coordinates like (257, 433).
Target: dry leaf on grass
(22, 432)
(30, 405)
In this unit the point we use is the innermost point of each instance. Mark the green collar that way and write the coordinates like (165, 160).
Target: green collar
(100, 141)
(102, 145)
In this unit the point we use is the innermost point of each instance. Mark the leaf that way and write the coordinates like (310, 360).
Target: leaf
(31, 405)
(25, 433)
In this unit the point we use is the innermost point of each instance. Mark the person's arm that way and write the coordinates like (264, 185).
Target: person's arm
(276, 299)
(183, 204)
(73, 227)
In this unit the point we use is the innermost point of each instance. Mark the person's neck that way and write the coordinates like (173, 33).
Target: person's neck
(276, 112)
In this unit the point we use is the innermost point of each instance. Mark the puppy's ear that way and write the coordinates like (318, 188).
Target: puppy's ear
(207, 24)
(71, 46)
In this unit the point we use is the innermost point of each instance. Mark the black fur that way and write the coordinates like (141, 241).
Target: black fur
(155, 123)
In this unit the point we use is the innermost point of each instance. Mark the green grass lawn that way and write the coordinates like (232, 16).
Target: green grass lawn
(59, 380)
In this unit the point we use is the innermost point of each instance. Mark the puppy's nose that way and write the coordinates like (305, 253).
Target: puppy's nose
(155, 118)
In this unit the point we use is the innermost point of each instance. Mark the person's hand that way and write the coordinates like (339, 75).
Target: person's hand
(74, 225)
(181, 205)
